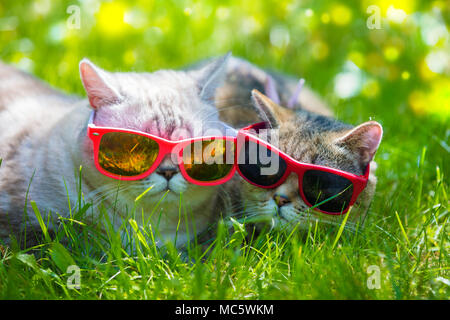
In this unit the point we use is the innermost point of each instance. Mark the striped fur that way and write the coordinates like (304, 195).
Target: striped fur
(43, 143)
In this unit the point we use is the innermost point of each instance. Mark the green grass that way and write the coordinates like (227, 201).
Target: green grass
(410, 249)
(406, 233)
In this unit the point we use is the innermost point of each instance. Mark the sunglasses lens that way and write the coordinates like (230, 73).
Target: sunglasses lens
(208, 160)
(259, 165)
(330, 192)
(126, 154)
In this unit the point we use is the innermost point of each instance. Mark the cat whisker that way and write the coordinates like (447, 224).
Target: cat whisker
(112, 192)
(241, 101)
(205, 115)
(97, 190)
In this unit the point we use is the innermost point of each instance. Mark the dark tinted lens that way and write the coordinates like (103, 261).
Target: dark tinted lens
(209, 161)
(259, 165)
(334, 191)
(126, 154)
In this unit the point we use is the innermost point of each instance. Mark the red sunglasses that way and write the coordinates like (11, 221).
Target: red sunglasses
(324, 189)
(133, 155)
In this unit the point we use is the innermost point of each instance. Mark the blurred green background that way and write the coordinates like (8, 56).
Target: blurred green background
(397, 74)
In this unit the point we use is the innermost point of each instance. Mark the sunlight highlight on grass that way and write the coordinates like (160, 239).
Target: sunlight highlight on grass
(341, 228)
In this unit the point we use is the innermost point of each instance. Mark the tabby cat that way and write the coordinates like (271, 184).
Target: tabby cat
(43, 143)
(307, 132)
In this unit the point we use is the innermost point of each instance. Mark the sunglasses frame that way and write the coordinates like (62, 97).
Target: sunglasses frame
(359, 182)
(166, 147)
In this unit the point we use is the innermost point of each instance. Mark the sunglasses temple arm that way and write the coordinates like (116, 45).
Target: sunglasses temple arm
(91, 118)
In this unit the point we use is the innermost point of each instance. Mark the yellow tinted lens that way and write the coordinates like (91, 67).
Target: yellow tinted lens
(126, 154)
(209, 161)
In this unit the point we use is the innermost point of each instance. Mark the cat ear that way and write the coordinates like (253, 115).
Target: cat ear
(363, 140)
(97, 84)
(269, 110)
(211, 76)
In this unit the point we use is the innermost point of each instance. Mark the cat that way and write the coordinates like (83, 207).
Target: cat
(307, 132)
(43, 143)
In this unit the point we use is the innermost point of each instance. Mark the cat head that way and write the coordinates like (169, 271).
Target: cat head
(170, 104)
(315, 139)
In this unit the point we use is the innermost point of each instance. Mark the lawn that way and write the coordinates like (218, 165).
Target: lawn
(397, 75)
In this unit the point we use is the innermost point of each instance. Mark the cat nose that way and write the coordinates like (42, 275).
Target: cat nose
(167, 172)
(281, 200)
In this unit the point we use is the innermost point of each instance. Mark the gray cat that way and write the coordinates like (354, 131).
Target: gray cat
(43, 143)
